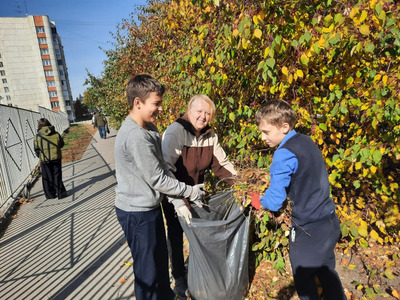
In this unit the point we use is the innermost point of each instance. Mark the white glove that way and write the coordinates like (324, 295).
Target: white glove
(183, 211)
(197, 194)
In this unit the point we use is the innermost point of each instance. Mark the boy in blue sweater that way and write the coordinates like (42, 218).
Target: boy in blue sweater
(142, 183)
(298, 171)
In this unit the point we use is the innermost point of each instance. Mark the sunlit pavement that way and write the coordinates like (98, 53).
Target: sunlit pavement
(71, 248)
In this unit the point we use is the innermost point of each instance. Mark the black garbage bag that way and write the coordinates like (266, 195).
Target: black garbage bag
(218, 249)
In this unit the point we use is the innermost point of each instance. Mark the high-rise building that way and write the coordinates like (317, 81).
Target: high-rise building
(33, 71)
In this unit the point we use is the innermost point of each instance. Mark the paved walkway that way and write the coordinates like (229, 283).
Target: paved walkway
(72, 248)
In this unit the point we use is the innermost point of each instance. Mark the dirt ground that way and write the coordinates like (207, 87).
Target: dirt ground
(372, 273)
(77, 149)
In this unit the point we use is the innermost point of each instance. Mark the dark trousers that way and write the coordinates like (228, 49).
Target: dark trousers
(312, 256)
(175, 239)
(53, 185)
(145, 234)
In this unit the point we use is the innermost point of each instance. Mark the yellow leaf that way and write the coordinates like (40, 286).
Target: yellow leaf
(255, 19)
(358, 165)
(374, 235)
(364, 29)
(329, 29)
(373, 169)
(290, 79)
(266, 52)
(210, 60)
(244, 44)
(261, 15)
(285, 71)
(321, 42)
(384, 79)
(212, 69)
(300, 73)
(235, 32)
(257, 33)
(363, 230)
(395, 293)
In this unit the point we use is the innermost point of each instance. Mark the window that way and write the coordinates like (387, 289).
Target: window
(44, 51)
(52, 94)
(65, 93)
(6, 89)
(3, 73)
(59, 62)
(40, 29)
(8, 97)
(55, 104)
(4, 80)
(49, 73)
(61, 73)
(1, 64)
(67, 103)
(46, 62)
(63, 83)
(51, 83)
(42, 40)
(57, 51)
(55, 41)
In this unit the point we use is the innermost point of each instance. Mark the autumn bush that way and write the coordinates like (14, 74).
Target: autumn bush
(336, 62)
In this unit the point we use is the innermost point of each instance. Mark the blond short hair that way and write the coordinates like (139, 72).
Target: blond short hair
(276, 112)
(205, 98)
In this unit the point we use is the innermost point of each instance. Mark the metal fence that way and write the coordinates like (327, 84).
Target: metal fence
(18, 128)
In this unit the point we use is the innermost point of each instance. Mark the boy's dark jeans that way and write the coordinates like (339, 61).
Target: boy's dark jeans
(145, 234)
(312, 255)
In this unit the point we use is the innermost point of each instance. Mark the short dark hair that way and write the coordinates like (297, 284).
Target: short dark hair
(276, 112)
(43, 122)
(141, 86)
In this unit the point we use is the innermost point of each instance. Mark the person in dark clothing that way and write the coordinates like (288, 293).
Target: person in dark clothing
(298, 170)
(47, 145)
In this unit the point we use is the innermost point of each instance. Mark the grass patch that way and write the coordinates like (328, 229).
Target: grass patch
(75, 133)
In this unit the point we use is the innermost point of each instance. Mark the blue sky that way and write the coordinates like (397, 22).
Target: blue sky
(83, 25)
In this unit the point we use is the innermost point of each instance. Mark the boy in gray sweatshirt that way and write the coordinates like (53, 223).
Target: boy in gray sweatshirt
(142, 183)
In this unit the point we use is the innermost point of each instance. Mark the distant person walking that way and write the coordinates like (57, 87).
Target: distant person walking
(47, 145)
(100, 121)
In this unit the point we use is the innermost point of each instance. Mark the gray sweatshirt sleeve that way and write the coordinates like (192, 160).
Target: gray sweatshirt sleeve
(148, 158)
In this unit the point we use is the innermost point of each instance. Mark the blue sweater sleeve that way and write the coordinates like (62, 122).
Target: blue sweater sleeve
(284, 164)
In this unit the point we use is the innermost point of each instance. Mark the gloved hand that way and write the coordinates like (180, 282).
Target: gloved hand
(255, 200)
(197, 194)
(183, 211)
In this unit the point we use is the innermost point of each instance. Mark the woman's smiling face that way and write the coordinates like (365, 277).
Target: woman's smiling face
(199, 114)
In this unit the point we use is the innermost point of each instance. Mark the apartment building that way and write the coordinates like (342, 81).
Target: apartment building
(33, 71)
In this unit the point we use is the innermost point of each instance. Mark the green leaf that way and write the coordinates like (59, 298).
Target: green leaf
(304, 59)
(377, 155)
(232, 116)
(323, 126)
(270, 62)
(354, 231)
(369, 47)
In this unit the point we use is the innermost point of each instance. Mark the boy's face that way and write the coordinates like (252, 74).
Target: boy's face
(273, 135)
(150, 109)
